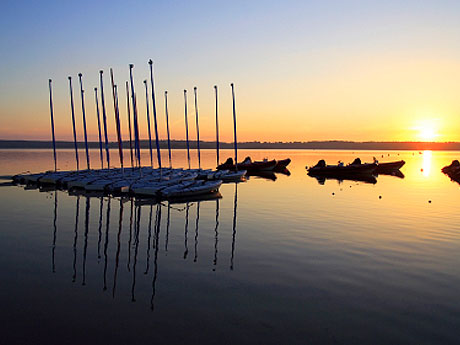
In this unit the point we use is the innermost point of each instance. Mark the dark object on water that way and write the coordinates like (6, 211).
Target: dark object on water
(389, 167)
(281, 165)
(343, 177)
(264, 165)
(357, 161)
(351, 170)
(248, 165)
(267, 175)
(452, 168)
(395, 173)
(453, 171)
(284, 171)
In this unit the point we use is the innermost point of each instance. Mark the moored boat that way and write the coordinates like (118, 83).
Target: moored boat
(196, 188)
(248, 165)
(281, 165)
(388, 167)
(350, 170)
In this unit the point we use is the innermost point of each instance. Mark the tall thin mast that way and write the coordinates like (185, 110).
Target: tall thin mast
(99, 128)
(148, 121)
(186, 127)
(136, 123)
(129, 125)
(197, 127)
(104, 118)
(52, 125)
(234, 127)
(217, 126)
(120, 140)
(82, 93)
(117, 118)
(73, 123)
(155, 113)
(136, 129)
(167, 128)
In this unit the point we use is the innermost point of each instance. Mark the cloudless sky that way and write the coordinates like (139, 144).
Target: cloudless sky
(303, 70)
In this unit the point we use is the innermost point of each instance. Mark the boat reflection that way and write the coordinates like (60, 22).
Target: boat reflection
(396, 173)
(266, 175)
(341, 178)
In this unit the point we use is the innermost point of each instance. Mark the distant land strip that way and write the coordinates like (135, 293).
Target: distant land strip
(254, 145)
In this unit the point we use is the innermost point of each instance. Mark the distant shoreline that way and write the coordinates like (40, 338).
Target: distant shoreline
(315, 145)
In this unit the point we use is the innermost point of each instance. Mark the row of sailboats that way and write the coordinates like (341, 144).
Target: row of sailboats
(137, 179)
(153, 229)
(133, 124)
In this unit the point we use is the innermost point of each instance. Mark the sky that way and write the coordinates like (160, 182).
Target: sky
(303, 70)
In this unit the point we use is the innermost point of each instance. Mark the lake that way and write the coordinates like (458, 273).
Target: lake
(290, 261)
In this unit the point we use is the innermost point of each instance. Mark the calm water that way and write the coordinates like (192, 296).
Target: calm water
(290, 261)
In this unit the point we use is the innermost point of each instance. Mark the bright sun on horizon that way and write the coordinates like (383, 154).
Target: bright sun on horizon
(427, 130)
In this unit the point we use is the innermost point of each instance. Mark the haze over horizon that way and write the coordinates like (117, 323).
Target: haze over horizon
(359, 71)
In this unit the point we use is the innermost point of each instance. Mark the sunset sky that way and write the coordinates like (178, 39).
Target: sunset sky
(303, 70)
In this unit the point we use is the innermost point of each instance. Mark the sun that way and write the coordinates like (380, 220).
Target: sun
(427, 129)
(427, 134)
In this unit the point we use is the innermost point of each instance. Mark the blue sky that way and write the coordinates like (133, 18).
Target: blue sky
(285, 57)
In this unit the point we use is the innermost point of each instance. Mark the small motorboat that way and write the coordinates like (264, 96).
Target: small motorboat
(388, 167)
(453, 171)
(453, 168)
(281, 165)
(340, 170)
(249, 165)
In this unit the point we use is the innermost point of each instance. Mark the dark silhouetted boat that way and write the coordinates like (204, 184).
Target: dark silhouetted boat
(340, 170)
(453, 171)
(389, 167)
(248, 165)
(281, 165)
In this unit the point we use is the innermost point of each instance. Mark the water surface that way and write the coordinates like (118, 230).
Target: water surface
(285, 261)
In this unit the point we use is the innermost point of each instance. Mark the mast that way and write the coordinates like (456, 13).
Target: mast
(197, 127)
(148, 122)
(186, 127)
(120, 140)
(117, 118)
(155, 113)
(129, 125)
(82, 93)
(217, 127)
(73, 123)
(136, 122)
(99, 128)
(104, 118)
(234, 127)
(167, 128)
(52, 125)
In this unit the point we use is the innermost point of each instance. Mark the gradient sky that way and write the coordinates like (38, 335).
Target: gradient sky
(303, 70)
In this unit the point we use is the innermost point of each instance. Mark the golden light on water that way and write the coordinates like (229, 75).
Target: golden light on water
(426, 163)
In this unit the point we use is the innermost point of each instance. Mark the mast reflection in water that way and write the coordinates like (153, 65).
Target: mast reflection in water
(141, 238)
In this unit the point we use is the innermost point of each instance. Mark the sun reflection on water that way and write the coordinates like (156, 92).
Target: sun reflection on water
(427, 161)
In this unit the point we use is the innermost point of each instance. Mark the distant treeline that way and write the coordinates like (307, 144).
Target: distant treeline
(255, 145)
